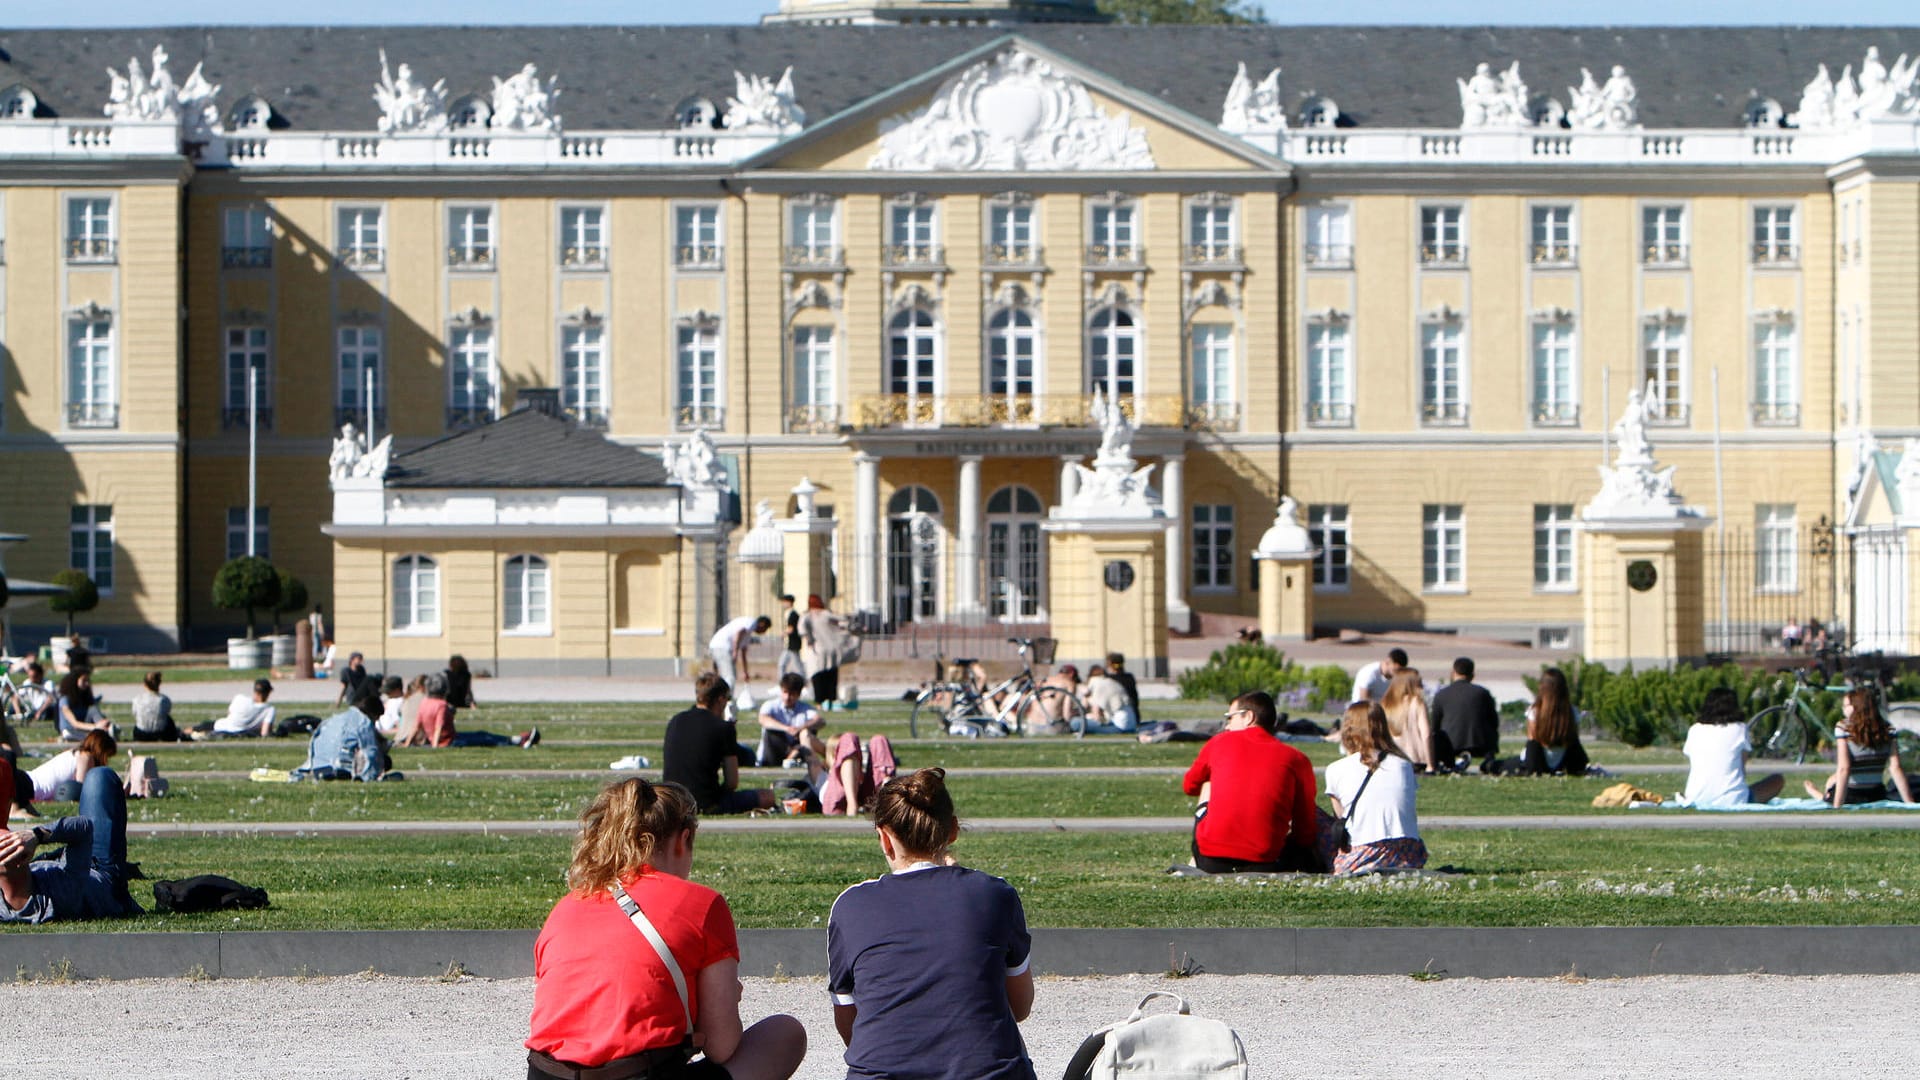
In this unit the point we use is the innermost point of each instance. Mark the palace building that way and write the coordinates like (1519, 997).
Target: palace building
(885, 251)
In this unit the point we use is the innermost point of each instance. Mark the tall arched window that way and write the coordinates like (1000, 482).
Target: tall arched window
(416, 594)
(913, 555)
(1113, 351)
(1013, 358)
(524, 593)
(912, 361)
(1016, 567)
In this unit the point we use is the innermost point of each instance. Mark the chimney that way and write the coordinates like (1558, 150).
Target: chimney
(544, 400)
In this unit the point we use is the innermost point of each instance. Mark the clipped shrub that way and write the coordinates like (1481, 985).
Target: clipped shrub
(1328, 686)
(81, 595)
(1240, 668)
(1644, 708)
(247, 583)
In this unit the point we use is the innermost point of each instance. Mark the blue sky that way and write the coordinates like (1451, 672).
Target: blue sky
(102, 13)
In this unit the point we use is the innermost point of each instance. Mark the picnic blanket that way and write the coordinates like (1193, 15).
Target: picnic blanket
(1800, 805)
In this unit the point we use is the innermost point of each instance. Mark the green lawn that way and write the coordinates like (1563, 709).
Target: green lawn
(131, 675)
(1509, 878)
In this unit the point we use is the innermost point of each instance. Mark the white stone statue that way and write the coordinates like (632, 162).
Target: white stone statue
(405, 105)
(140, 96)
(1487, 101)
(695, 465)
(1116, 431)
(1612, 106)
(1630, 432)
(199, 113)
(522, 103)
(760, 104)
(1286, 536)
(763, 514)
(1634, 486)
(1816, 103)
(374, 463)
(348, 449)
(1841, 103)
(1251, 109)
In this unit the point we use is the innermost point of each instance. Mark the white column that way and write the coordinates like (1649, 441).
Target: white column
(866, 530)
(1069, 479)
(1173, 497)
(966, 569)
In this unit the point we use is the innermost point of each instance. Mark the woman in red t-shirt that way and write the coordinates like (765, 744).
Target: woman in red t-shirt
(603, 996)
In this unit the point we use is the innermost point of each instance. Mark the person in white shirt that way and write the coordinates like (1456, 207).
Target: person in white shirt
(1717, 749)
(393, 707)
(729, 648)
(1109, 710)
(1371, 681)
(247, 715)
(1373, 787)
(790, 728)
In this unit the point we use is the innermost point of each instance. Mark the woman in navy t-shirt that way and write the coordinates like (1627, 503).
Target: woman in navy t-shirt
(928, 966)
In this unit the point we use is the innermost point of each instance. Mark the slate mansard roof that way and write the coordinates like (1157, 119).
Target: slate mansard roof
(631, 77)
(526, 449)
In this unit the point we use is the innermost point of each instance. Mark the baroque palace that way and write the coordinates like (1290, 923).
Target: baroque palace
(884, 252)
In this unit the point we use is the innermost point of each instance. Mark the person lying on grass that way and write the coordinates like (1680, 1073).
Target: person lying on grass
(89, 879)
(604, 996)
(1864, 755)
(929, 966)
(436, 722)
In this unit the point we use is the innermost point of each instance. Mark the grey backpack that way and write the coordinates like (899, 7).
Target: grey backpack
(1164, 1046)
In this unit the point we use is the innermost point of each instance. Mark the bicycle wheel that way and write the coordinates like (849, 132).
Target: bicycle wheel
(1059, 702)
(1906, 733)
(1765, 732)
(930, 710)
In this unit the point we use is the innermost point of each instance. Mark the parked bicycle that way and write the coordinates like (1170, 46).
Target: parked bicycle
(961, 705)
(1793, 730)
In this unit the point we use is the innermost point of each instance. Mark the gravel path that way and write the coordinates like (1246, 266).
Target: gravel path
(1326, 1028)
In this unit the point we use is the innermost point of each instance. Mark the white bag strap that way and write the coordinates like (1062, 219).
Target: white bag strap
(645, 926)
(1140, 1010)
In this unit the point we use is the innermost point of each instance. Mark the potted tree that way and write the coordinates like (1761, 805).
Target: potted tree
(293, 598)
(247, 583)
(80, 597)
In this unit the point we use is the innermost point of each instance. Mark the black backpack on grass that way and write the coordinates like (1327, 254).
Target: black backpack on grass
(206, 892)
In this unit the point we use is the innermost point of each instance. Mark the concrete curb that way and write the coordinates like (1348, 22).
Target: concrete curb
(1463, 952)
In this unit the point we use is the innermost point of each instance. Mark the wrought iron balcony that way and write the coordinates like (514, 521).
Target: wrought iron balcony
(1329, 256)
(475, 257)
(246, 258)
(1668, 413)
(461, 417)
(90, 249)
(1777, 254)
(1555, 254)
(1776, 413)
(1213, 416)
(93, 414)
(363, 257)
(813, 257)
(1556, 414)
(234, 417)
(688, 417)
(357, 416)
(1215, 256)
(913, 257)
(1330, 413)
(1116, 256)
(592, 417)
(1444, 255)
(1443, 414)
(1013, 255)
(699, 256)
(583, 257)
(813, 419)
(1664, 255)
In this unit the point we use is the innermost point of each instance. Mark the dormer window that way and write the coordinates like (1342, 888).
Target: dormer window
(696, 114)
(18, 103)
(252, 114)
(1319, 112)
(472, 111)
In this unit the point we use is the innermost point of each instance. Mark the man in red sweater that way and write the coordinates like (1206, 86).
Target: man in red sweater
(1256, 796)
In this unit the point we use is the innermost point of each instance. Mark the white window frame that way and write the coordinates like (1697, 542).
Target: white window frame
(237, 532)
(1776, 234)
(1111, 337)
(811, 383)
(410, 616)
(1114, 232)
(1443, 548)
(526, 596)
(813, 231)
(1555, 549)
(92, 237)
(1443, 234)
(1013, 341)
(356, 347)
(1013, 232)
(1776, 372)
(1213, 360)
(1330, 529)
(1553, 234)
(1664, 234)
(471, 350)
(1445, 383)
(699, 236)
(244, 345)
(92, 372)
(1330, 382)
(360, 244)
(583, 371)
(583, 231)
(1553, 365)
(472, 236)
(699, 390)
(1670, 373)
(90, 543)
(1776, 548)
(913, 232)
(1211, 529)
(921, 402)
(1213, 230)
(1328, 236)
(246, 237)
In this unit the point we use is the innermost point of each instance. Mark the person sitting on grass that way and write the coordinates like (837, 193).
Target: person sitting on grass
(1047, 714)
(790, 727)
(345, 746)
(1553, 738)
(41, 697)
(153, 713)
(1373, 788)
(1864, 755)
(1405, 703)
(929, 966)
(1717, 747)
(393, 707)
(86, 881)
(80, 707)
(703, 754)
(436, 723)
(1256, 794)
(606, 1002)
(248, 715)
(1109, 710)
(855, 776)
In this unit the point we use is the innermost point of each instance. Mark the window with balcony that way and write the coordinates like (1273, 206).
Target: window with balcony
(1663, 364)
(1443, 235)
(1553, 540)
(1212, 401)
(90, 236)
(90, 544)
(813, 406)
(361, 236)
(1776, 373)
(813, 237)
(1213, 546)
(247, 374)
(92, 400)
(1663, 235)
(583, 237)
(470, 238)
(913, 234)
(1775, 241)
(524, 594)
(1776, 535)
(416, 595)
(1556, 380)
(1553, 237)
(1329, 237)
(237, 532)
(1443, 548)
(1114, 235)
(1330, 371)
(1011, 239)
(1013, 349)
(474, 392)
(696, 238)
(913, 362)
(1443, 373)
(246, 241)
(1328, 528)
(583, 372)
(697, 367)
(1113, 351)
(1212, 233)
(361, 378)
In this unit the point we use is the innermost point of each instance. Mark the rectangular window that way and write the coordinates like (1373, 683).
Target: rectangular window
(1553, 243)
(360, 374)
(470, 237)
(1329, 236)
(246, 350)
(1776, 393)
(911, 234)
(1443, 549)
(1553, 548)
(1774, 241)
(1443, 392)
(416, 595)
(90, 229)
(1213, 365)
(1663, 363)
(699, 375)
(1443, 235)
(583, 237)
(524, 595)
(1555, 380)
(696, 237)
(811, 235)
(92, 400)
(1663, 235)
(1776, 548)
(1328, 527)
(474, 393)
(1329, 373)
(1210, 232)
(1213, 547)
(1115, 238)
(812, 401)
(1010, 239)
(361, 237)
(247, 241)
(90, 544)
(237, 532)
(583, 373)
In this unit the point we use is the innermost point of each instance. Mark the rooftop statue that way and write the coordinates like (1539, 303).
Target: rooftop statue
(1487, 101)
(1612, 106)
(522, 103)
(407, 107)
(1251, 109)
(760, 104)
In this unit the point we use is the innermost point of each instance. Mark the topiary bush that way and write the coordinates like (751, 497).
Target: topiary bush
(81, 595)
(1240, 668)
(293, 597)
(1644, 708)
(247, 584)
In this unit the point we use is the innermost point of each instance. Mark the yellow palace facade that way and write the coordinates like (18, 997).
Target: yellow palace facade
(1372, 271)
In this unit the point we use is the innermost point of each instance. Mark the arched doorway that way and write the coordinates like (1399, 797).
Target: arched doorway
(1016, 566)
(914, 570)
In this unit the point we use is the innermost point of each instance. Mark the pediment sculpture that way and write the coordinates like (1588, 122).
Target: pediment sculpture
(1010, 113)
(1254, 109)
(762, 105)
(406, 107)
(521, 102)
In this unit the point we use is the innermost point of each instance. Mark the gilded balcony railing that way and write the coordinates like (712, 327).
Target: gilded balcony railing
(813, 419)
(881, 411)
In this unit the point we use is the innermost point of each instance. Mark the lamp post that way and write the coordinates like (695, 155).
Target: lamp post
(253, 450)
